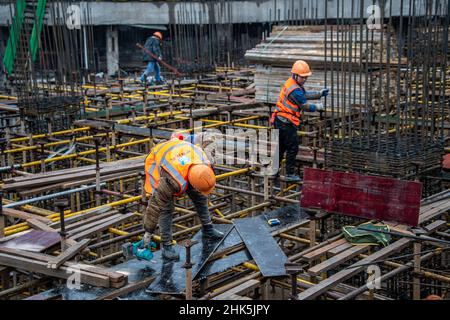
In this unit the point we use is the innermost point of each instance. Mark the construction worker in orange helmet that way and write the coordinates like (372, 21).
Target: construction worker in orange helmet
(174, 168)
(292, 101)
(153, 44)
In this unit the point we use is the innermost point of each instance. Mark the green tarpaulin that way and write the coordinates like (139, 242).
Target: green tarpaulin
(14, 36)
(16, 29)
(363, 237)
(37, 28)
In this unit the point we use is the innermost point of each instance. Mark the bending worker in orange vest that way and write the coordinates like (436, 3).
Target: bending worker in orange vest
(286, 117)
(174, 168)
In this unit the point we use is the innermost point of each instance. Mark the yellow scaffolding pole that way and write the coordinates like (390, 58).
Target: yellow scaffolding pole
(52, 144)
(45, 135)
(84, 153)
(55, 217)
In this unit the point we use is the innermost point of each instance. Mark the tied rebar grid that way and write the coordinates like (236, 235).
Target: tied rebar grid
(399, 130)
(405, 157)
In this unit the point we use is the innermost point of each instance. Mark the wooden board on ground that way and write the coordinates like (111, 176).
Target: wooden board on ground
(238, 290)
(339, 249)
(24, 215)
(38, 262)
(69, 253)
(102, 227)
(337, 260)
(316, 254)
(41, 267)
(34, 241)
(38, 225)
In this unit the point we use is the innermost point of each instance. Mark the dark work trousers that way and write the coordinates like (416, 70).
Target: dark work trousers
(288, 143)
(165, 219)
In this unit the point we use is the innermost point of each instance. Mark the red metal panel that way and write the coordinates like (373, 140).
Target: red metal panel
(362, 196)
(446, 162)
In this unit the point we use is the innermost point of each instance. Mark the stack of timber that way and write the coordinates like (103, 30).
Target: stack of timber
(339, 56)
(341, 44)
(270, 79)
(38, 250)
(31, 184)
(45, 264)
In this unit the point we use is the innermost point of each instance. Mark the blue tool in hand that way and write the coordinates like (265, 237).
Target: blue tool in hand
(138, 250)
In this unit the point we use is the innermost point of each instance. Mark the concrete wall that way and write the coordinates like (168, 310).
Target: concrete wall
(162, 13)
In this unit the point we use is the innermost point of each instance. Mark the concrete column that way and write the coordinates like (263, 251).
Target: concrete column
(112, 50)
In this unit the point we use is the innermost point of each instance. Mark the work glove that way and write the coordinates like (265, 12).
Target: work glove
(146, 239)
(324, 92)
(319, 107)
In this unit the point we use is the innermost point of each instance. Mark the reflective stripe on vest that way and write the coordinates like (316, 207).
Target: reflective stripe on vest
(149, 172)
(176, 157)
(286, 108)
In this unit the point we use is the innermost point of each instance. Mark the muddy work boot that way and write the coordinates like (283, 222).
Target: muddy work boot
(211, 233)
(292, 178)
(169, 252)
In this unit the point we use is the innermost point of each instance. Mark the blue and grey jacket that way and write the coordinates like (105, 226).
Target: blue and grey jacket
(153, 44)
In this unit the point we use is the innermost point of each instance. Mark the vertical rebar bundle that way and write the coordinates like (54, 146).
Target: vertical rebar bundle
(51, 61)
(399, 131)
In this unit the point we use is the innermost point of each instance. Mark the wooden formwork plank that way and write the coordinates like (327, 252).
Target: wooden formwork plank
(79, 217)
(316, 254)
(56, 262)
(102, 227)
(64, 272)
(24, 215)
(38, 225)
(337, 260)
(343, 275)
(238, 290)
(436, 210)
(99, 216)
(45, 258)
(92, 223)
(338, 249)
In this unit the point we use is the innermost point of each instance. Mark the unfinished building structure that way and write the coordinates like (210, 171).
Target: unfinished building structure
(73, 146)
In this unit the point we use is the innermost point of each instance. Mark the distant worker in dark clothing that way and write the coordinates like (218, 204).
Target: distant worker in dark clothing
(286, 117)
(153, 44)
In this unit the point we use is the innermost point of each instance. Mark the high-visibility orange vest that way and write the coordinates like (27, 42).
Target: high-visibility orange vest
(285, 108)
(176, 157)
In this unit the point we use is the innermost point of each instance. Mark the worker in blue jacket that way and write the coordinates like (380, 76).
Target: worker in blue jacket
(153, 44)
(293, 100)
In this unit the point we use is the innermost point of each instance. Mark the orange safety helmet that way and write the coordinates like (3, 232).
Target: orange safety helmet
(301, 68)
(202, 178)
(158, 34)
